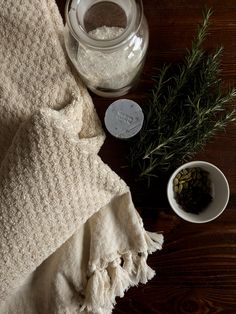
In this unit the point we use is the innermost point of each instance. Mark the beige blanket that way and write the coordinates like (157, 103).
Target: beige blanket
(70, 237)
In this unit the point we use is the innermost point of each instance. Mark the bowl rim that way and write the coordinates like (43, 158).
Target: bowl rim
(187, 165)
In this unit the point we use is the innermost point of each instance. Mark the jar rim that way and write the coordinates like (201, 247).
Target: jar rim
(82, 36)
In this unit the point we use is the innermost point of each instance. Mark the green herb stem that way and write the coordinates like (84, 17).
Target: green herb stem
(186, 108)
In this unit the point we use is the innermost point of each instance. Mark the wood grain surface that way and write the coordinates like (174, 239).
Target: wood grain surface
(196, 270)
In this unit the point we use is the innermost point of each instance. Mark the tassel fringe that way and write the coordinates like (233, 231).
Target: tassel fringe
(154, 241)
(127, 270)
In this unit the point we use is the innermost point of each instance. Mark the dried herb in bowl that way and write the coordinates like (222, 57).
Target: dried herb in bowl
(192, 189)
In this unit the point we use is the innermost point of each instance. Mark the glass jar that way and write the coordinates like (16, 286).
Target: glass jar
(107, 43)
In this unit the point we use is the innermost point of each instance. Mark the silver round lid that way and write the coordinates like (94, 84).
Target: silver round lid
(124, 118)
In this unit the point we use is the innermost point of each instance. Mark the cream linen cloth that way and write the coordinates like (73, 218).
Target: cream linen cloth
(70, 237)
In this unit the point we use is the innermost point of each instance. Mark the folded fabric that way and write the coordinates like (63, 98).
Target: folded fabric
(70, 237)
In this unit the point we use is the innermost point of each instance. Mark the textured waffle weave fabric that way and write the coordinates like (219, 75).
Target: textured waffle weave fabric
(70, 237)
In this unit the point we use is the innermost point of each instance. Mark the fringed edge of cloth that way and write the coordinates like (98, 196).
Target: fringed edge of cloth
(122, 272)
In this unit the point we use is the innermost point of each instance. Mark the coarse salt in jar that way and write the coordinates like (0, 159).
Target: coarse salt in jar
(107, 43)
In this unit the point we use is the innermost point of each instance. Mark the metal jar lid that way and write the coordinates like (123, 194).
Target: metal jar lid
(124, 118)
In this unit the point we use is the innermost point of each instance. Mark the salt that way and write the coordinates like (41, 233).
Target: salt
(110, 69)
(106, 33)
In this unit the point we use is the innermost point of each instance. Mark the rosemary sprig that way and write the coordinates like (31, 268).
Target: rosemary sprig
(186, 108)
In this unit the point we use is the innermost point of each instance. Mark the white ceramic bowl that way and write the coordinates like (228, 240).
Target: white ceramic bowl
(220, 193)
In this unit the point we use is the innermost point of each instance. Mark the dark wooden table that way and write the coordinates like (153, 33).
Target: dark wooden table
(196, 270)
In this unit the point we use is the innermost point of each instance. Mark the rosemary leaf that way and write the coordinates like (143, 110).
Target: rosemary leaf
(185, 109)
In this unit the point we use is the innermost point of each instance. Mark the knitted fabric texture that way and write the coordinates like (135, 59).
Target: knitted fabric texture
(70, 237)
